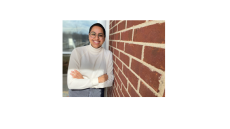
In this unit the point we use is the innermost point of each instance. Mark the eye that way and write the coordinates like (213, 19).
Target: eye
(100, 35)
(93, 34)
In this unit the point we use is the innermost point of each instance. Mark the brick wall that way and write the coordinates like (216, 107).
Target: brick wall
(139, 58)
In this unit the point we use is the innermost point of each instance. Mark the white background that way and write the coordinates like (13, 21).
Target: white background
(197, 67)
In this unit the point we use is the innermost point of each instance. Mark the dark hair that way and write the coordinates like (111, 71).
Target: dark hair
(97, 24)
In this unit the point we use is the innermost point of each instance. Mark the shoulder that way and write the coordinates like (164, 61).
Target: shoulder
(107, 52)
(79, 50)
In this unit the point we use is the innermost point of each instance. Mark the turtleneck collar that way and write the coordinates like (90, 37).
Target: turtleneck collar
(94, 50)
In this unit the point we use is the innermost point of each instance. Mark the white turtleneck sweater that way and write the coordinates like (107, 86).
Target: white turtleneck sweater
(91, 63)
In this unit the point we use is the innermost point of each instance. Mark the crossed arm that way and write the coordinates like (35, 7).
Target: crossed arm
(76, 80)
(78, 75)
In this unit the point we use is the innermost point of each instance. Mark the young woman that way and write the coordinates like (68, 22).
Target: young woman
(90, 67)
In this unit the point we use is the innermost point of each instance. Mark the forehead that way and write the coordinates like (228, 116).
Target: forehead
(97, 29)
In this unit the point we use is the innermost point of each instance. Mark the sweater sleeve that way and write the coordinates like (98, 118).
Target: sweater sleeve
(109, 67)
(74, 83)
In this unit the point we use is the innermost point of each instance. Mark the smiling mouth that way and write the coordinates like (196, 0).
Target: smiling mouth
(96, 42)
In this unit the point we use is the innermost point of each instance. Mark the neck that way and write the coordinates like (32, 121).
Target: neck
(94, 50)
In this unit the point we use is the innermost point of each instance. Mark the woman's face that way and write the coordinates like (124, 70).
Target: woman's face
(96, 37)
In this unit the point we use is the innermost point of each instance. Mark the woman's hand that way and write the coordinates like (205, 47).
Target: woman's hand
(103, 78)
(76, 74)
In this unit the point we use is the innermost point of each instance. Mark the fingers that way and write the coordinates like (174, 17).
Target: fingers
(72, 75)
(76, 71)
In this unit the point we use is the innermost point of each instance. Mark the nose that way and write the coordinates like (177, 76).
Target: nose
(97, 36)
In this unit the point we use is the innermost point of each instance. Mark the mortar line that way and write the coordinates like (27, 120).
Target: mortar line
(117, 24)
(142, 55)
(141, 25)
(130, 62)
(138, 85)
(151, 67)
(119, 78)
(128, 87)
(122, 92)
(139, 78)
(158, 45)
(120, 70)
(116, 44)
(124, 46)
(132, 35)
(135, 90)
(117, 91)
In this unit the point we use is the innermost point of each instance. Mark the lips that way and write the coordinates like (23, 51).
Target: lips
(96, 42)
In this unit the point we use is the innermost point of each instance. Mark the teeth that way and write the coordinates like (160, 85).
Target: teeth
(95, 41)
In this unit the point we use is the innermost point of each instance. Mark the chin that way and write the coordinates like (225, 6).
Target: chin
(96, 46)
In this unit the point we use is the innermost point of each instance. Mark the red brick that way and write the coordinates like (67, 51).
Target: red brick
(115, 75)
(121, 25)
(111, 31)
(120, 93)
(116, 52)
(119, 82)
(150, 77)
(115, 80)
(111, 49)
(114, 95)
(124, 92)
(132, 92)
(120, 45)
(127, 35)
(132, 78)
(131, 23)
(113, 23)
(134, 50)
(119, 64)
(111, 37)
(124, 58)
(113, 88)
(110, 43)
(145, 91)
(109, 90)
(115, 68)
(152, 34)
(117, 94)
(114, 44)
(111, 93)
(155, 57)
(117, 21)
(123, 79)
(114, 29)
(114, 58)
(117, 36)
